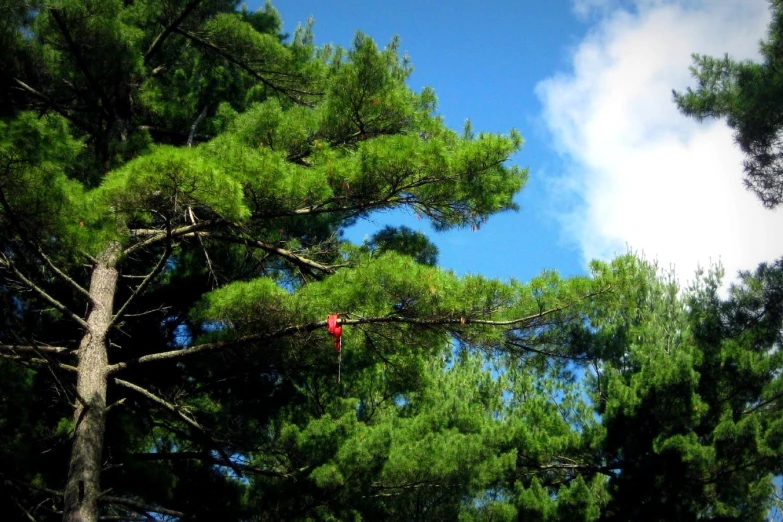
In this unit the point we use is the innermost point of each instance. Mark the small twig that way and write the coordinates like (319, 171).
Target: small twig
(145, 282)
(148, 312)
(114, 405)
(62, 275)
(204, 248)
(272, 249)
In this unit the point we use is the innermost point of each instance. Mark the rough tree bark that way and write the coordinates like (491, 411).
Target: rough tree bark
(82, 488)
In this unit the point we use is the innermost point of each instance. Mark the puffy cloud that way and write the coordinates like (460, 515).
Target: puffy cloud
(637, 173)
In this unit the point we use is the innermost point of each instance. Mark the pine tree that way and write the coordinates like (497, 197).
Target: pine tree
(680, 415)
(173, 182)
(748, 96)
(174, 179)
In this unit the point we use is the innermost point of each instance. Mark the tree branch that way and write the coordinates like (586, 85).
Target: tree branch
(49, 102)
(157, 43)
(287, 91)
(140, 507)
(42, 294)
(179, 413)
(37, 248)
(195, 125)
(62, 275)
(159, 235)
(135, 505)
(312, 326)
(145, 282)
(546, 352)
(272, 249)
(161, 402)
(203, 456)
(14, 348)
(395, 197)
(763, 403)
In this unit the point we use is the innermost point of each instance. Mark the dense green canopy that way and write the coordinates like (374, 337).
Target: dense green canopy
(175, 176)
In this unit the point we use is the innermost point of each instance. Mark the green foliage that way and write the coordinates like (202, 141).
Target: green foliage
(223, 162)
(748, 95)
(168, 181)
(405, 241)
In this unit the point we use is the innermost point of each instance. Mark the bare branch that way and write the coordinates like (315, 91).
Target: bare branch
(62, 275)
(27, 485)
(26, 512)
(204, 248)
(145, 282)
(195, 125)
(14, 348)
(50, 103)
(272, 249)
(160, 309)
(140, 507)
(153, 236)
(116, 404)
(37, 248)
(42, 294)
(157, 43)
(763, 403)
(39, 361)
(161, 402)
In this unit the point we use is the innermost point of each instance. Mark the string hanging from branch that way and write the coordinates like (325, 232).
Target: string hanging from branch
(335, 329)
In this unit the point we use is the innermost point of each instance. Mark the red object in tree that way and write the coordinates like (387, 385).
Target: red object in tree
(335, 329)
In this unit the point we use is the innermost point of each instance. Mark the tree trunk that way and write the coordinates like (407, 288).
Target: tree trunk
(83, 486)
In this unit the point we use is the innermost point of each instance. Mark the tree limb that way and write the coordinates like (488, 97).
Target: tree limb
(287, 91)
(272, 249)
(179, 413)
(140, 507)
(195, 125)
(312, 326)
(37, 248)
(763, 403)
(159, 235)
(49, 102)
(145, 282)
(546, 352)
(157, 43)
(161, 402)
(62, 275)
(14, 348)
(42, 294)
(203, 456)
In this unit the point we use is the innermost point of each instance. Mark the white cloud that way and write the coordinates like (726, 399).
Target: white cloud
(644, 175)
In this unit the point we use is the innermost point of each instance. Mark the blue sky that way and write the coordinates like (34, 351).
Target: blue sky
(588, 83)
